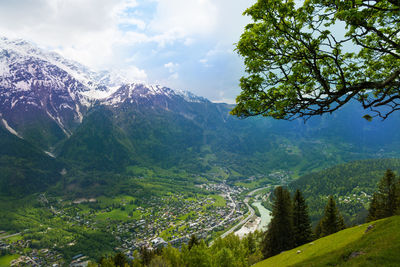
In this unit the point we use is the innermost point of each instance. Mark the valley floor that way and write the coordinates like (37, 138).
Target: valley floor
(68, 230)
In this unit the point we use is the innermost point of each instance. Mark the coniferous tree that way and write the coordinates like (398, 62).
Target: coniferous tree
(332, 221)
(385, 201)
(397, 211)
(194, 241)
(301, 220)
(146, 255)
(279, 236)
(120, 260)
(373, 209)
(318, 230)
(387, 190)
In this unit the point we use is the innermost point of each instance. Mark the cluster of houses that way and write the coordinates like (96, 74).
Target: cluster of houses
(166, 220)
(4, 246)
(43, 257)
(178, 216)
(282, 177)
(79, 260)
(360, 197)
(30, 257)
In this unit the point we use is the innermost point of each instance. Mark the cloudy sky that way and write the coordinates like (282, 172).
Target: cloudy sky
(183, 44)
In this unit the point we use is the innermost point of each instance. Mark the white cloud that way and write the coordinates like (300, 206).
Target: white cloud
(174, 76)
(194, 17)
(223, 99)
(189, 41)
(205, 63)
(171, 66)
(133, 73)
(86, 31)
(136, 37)
(189, 19)
(133, 21)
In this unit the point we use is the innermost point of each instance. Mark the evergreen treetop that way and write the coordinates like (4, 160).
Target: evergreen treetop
(332, 221)
(280, 234)
(386, 201)
(301, 220)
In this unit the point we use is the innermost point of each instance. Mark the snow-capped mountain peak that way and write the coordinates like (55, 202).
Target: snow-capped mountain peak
(37, 86)
(134, 92)
(93, 85)
(12, 51)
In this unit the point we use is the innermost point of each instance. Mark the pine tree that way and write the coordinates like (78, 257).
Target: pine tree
(318, 230)
(146, 255)
(385, 202)
(301, 220)
(332, 221)
(397, 211)
(120, 260)
(194, 241)
(279, 236)
(373, 208)
(387, 190)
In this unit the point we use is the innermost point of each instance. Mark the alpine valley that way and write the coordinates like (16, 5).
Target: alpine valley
(91, 163)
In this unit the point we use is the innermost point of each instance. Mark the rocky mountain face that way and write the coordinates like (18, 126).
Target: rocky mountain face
(39, 99)
(44, 97)
(98, 122)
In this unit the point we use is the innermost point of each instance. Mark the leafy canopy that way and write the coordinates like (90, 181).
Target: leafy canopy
(312, 58)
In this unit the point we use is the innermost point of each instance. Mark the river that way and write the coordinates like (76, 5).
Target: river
(265, 216)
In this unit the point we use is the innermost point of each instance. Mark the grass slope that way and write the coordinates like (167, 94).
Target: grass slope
(6, 260)
(378, 247)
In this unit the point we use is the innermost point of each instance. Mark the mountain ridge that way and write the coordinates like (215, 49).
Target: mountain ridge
(59, 90)
(156, 127)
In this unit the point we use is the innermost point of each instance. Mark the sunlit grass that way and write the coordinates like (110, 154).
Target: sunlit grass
(378, 247)
(5, 260)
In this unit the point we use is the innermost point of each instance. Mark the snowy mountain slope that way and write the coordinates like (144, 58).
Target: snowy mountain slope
(36, 90)
(44, 96)
(20, 50)
(137, 92)
(89, 120)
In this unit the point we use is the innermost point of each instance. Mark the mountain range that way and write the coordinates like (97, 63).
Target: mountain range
(58, 117)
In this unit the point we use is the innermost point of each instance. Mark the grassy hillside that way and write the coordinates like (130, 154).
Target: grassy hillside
(351, 247)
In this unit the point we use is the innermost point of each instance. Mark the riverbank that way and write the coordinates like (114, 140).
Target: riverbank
(265, 216)
(249, 227)
(254, 222)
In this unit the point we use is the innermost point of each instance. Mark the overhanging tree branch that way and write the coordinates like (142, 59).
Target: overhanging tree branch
(297, 66)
